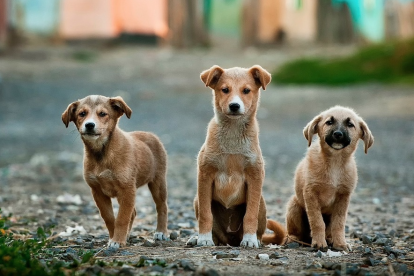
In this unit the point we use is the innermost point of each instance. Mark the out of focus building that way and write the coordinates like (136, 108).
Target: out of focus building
(187, 23)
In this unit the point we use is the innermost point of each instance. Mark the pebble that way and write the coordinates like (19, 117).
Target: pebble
(225, 255)
(383, 241)
(366, 239)
(274, 255)
(186, 233)
(206, 272)
(292, 245)
(126, 271)
(263, 257)
(173, 235)
(109, 251)
(187, 265)
(149, 243)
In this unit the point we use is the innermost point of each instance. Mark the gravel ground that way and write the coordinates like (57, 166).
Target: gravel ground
(41, 160)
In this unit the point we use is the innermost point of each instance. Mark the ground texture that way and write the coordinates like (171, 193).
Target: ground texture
(41, 160)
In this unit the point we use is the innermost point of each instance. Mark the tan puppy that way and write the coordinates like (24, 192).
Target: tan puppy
(229, 205)
(326, 178)
(116, 163)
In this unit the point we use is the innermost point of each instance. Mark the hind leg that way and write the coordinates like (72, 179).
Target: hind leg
(158, 189)
(296, 226)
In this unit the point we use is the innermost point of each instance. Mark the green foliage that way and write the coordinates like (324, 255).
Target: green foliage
(388, 63)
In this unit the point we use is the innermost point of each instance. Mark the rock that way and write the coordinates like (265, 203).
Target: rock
(292, 245)
(173, 226)
(263, 257)
(355, 234)
(366, 239)
(89, 245)
(192, 241)
(126, 271)
(109, 251)
(93, 270)
(79, 241)
(371, 262)
(156, 268)
(274, 255)
(382, 241)
(225, 255)
(149, 243)
(187, 265)
(400, 268)
(173, 235)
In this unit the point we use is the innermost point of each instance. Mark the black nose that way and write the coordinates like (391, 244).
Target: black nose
(338, 134)
(234, 107)
(89, 126)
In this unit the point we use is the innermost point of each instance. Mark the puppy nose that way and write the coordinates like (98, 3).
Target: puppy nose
(89, 126)
(338, 134)
(234, 107)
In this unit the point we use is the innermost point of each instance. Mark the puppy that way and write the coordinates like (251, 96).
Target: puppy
(326, 178)
(229, 205)
(116, 163)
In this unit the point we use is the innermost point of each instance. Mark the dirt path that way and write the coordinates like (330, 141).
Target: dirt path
(40, 159)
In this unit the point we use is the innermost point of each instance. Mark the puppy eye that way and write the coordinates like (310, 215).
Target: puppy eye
(102, 114)
(329, 123)
(225, 90)
(82, 114)
(351, 124)
(246, 91)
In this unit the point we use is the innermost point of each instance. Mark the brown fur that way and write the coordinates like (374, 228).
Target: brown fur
(116, 163)
(229, 205)
(325, 180)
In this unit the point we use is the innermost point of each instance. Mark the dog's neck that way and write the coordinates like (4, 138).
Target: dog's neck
(234, 136)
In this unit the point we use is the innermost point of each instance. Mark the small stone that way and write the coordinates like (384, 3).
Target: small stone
(192, 241)
(366, 239)
(149, 243)
(156, 268)
(89, 245)
(173, 226)
(173, 235)
(187, 265)
(400, 267)
(79, 241)
(292, 245)
(371, 262)
(206, 272)
(109, 251)
(392, 233)
(274, 255)
(126, 271)
(383, 241)
(355, 234)
(320, 254)
(263, 257)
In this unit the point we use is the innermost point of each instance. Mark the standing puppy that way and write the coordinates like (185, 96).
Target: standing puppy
(229, 205)
(116, 163)
(326, 178)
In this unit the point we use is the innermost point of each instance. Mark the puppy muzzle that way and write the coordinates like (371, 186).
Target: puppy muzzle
(338, 139)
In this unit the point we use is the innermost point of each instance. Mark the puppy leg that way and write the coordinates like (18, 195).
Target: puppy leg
(104, 205)
(205, 216)
(295, 223)
(254, 179)
(338, 221)
(126, 201)
(316, 223)
(158, 189)
(262, 220)
(134, 214)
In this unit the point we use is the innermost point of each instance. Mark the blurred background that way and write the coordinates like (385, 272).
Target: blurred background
(358, 53)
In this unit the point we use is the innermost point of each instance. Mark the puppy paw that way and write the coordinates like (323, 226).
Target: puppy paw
(250, 240)
(160, 236)
(205, 239)
(342, 247)
(319, 244)
(114, 245)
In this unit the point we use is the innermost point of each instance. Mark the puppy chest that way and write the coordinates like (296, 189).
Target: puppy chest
(229, 189)
(106, 181)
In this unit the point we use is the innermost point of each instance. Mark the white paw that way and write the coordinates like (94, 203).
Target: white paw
(205, 239)
(250, 240)
(113, 245)
(160, 236)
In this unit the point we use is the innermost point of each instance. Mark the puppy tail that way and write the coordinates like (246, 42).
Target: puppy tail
(279, 235)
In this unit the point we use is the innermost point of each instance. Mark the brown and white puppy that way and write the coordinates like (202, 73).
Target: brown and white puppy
(326, 178)
(116, 163)
(229, 205)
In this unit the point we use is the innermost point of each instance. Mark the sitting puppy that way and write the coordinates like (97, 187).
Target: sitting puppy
(326, 178)
(116, 163)
(229, 205)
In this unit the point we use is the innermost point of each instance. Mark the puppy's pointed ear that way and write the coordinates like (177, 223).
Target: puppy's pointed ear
(211, 76)
(261, 76)
(311, 128)
(366, 136)
(120, 106)
(69, 114)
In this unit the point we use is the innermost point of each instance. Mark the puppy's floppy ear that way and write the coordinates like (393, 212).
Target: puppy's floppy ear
(211, 76)
(311, 128)
(69, 114)
(366, 136)
(261, 76)
(119, 105)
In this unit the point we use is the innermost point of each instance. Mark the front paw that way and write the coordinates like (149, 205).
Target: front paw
(250, 240)
(205, 239)
(342, 246)
(160, 236)
(113, 244)
(319, 243)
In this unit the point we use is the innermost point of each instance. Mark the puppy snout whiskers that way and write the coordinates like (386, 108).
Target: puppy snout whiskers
(89, 126)
(234, 107)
